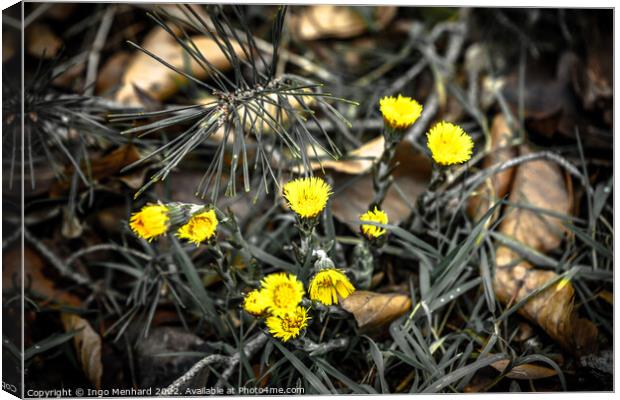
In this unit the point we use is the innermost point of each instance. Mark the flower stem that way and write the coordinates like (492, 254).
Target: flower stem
(382, 179)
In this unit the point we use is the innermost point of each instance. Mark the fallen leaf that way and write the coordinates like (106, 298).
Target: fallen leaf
(411, 175)
(324, 20)
(607, 296)
(87, 345)
(61, 11)
(497, 185)
(157, 80)
(550, 104)
(356, 162)
(41, 41)
(272, 112)
(9, 45)
(524, 371)
(111, 73)
(106, 166)
(34, 278)
(540, 184)
(375, 310)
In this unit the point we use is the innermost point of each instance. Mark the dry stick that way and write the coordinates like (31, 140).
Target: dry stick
(40, 10)
(249, 349)
(400, 83)
(428, 113)
(95, 53)
(12, 237)
(174, 387)
(319, 349)
(496, 168)
(105, 246)
(432, 103)
(54, 260)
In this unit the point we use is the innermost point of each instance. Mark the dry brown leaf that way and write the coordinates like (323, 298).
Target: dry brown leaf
(111, 73)
(540, 184)
(157, 80)
(35, 280)
(41, 41)
(106, 166)
(9, 45)
(324, 20)
(87, 345)
(497, 185)
(375, 310)
(525, 371)
(607, 296)
(254, 122)
(357, 162)
(412, 176)
(61, 11)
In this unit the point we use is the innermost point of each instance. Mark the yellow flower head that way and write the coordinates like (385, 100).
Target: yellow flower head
(329, 284)
(150, 222)
(375, 215)
(288, 324)
(307, 196)
(400, 112)
(200, 227)
(256, 302)
(449, 144)
(283, 291)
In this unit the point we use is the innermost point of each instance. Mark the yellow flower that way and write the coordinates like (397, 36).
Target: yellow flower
(283, 291)
(200, 227)
(150, 222)
(400, 112)
(256, 302)
(307, 196)
(375, 215)
(449, 144)
(329, 284)
(288, 324)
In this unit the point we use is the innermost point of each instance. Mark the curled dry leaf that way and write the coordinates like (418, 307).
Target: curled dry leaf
(324, 20)
(524, 371)
(411, 176)
(375, 310)
(497, 185)
(157, 80)
(41, 41)
(356, 162)
(540, 184)
(87, 345)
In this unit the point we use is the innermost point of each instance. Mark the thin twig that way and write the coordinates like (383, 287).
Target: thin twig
(174, 387)
(457, 37)
(251, 347)
(478, 177)
(319, 349)
(105, 246)
(12, 237)
(428, 113)
(231, 362)
(56, 262)
(95, 53)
